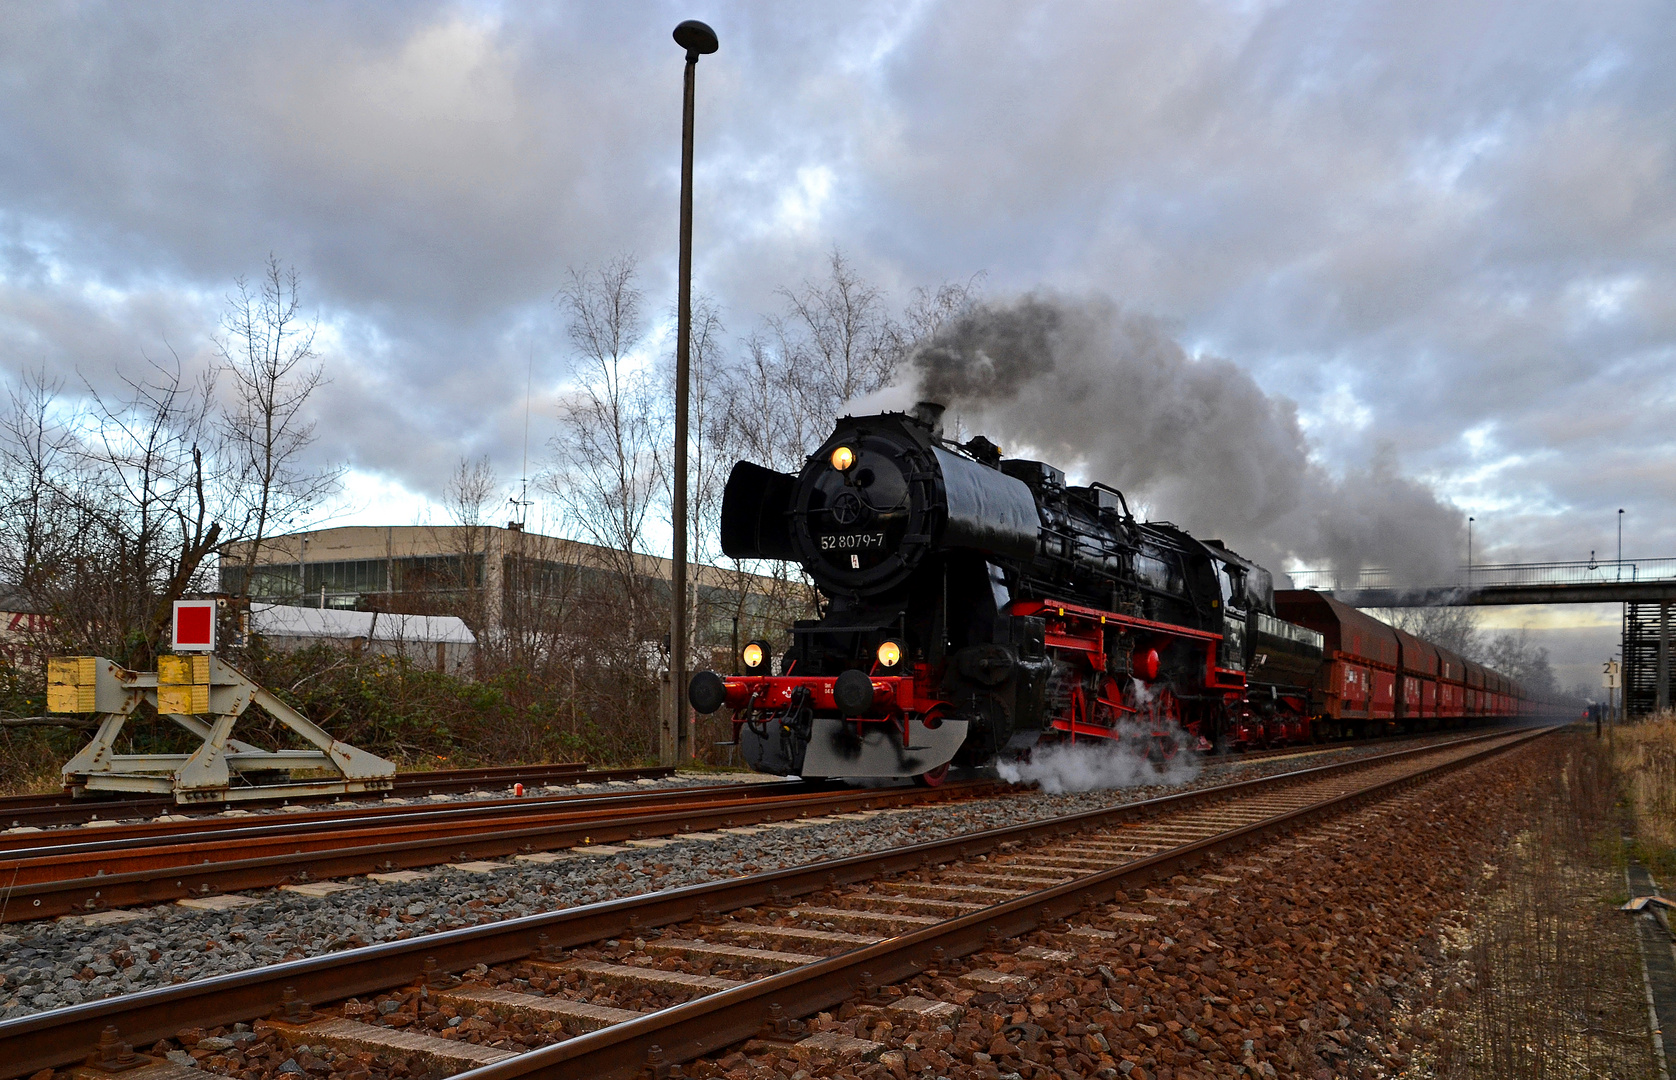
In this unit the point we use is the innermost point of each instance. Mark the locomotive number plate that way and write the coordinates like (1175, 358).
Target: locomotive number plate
(853, 542)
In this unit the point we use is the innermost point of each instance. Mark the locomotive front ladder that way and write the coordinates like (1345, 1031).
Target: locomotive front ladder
(186, 690)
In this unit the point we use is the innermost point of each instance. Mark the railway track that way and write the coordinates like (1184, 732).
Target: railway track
(57, 808)
(649, 981)
(1300, 749)
(49, 874)
(24, 811)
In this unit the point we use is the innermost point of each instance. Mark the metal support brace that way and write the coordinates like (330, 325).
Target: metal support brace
(222, 768)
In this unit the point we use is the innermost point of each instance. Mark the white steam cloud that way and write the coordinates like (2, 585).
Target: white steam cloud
(1100, 765)
(1090, 388)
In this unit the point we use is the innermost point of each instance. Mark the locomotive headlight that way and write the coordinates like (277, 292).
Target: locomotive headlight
(756, 655)
(843, 458)
(890, 654)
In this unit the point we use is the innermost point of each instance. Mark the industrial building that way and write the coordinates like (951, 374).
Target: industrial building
(492, 577)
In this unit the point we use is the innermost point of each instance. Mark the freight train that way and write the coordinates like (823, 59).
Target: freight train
(974, 606)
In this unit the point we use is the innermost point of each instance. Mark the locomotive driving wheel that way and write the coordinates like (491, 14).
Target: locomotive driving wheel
(1079, 707)
(933, 777)
(1162, 715)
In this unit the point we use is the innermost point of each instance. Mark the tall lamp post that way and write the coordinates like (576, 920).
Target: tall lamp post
(699, 40)
(1620, 574)
(1469, 551)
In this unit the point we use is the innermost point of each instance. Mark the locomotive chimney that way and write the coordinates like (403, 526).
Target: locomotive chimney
(930, 413)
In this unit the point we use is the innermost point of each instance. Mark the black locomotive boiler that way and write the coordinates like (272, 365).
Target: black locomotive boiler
(975, 605)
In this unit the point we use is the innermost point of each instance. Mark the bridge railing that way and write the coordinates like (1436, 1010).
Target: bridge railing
(1486, 575)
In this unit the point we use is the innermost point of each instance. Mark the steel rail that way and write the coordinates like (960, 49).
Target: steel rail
(25, 866)
(28, 900)
(60, 809)
(116, 838)
(1265, 753)
(682, 1032)
(216, 831)
(487, 773)
(61, 1036)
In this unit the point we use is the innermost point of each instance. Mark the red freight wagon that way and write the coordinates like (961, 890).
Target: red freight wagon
(1451, 685)
(1358, 682)
(1475, 695)
(1419, 677)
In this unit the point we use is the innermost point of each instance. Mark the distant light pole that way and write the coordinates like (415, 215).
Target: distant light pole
(699, 40)
(1620, 574)
(1469, 551)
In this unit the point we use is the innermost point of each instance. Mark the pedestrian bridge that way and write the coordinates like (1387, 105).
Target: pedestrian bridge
(1584, 582)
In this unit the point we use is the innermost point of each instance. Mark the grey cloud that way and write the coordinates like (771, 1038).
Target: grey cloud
(1087, 386)
(1460, 214)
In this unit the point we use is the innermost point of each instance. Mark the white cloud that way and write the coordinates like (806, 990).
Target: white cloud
(802, 204)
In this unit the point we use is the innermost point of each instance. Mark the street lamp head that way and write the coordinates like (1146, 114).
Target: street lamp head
(697, 38)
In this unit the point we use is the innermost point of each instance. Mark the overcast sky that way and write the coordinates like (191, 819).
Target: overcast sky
(1445, 230)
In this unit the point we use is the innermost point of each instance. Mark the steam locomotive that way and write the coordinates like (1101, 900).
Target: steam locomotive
(975, 606)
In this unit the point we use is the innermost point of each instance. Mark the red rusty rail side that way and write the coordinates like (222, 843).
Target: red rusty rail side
(333, 858)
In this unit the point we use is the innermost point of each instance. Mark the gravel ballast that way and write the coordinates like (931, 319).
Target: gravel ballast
(1307, 958)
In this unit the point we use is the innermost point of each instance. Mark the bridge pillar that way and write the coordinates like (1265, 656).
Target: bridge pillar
(1664, 657)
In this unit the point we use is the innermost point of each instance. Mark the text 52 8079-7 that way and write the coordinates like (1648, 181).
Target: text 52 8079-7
(853, 541)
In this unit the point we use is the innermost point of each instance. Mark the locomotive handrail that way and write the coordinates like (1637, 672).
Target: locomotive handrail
(1101, 485)
(1060, 607)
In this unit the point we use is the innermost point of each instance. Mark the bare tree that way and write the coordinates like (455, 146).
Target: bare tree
(931, 308)
(708, 462)
(267, 348)
(607, 474)
(1454, 628)
(141, 492)
(471, 490)
(838, 338)
(35, 450)
(608, 469)
(757, 598)
(537, 632)
(1458, 630)
(1522, 660)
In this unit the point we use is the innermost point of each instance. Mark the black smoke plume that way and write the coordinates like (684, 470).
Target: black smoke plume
(1113, 396)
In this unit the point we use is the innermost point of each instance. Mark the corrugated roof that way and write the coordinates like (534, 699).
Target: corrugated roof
(278, 620)
(16, 602)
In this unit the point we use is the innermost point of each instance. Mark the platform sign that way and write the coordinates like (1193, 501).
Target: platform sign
(1609, 675)
(194, 626)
